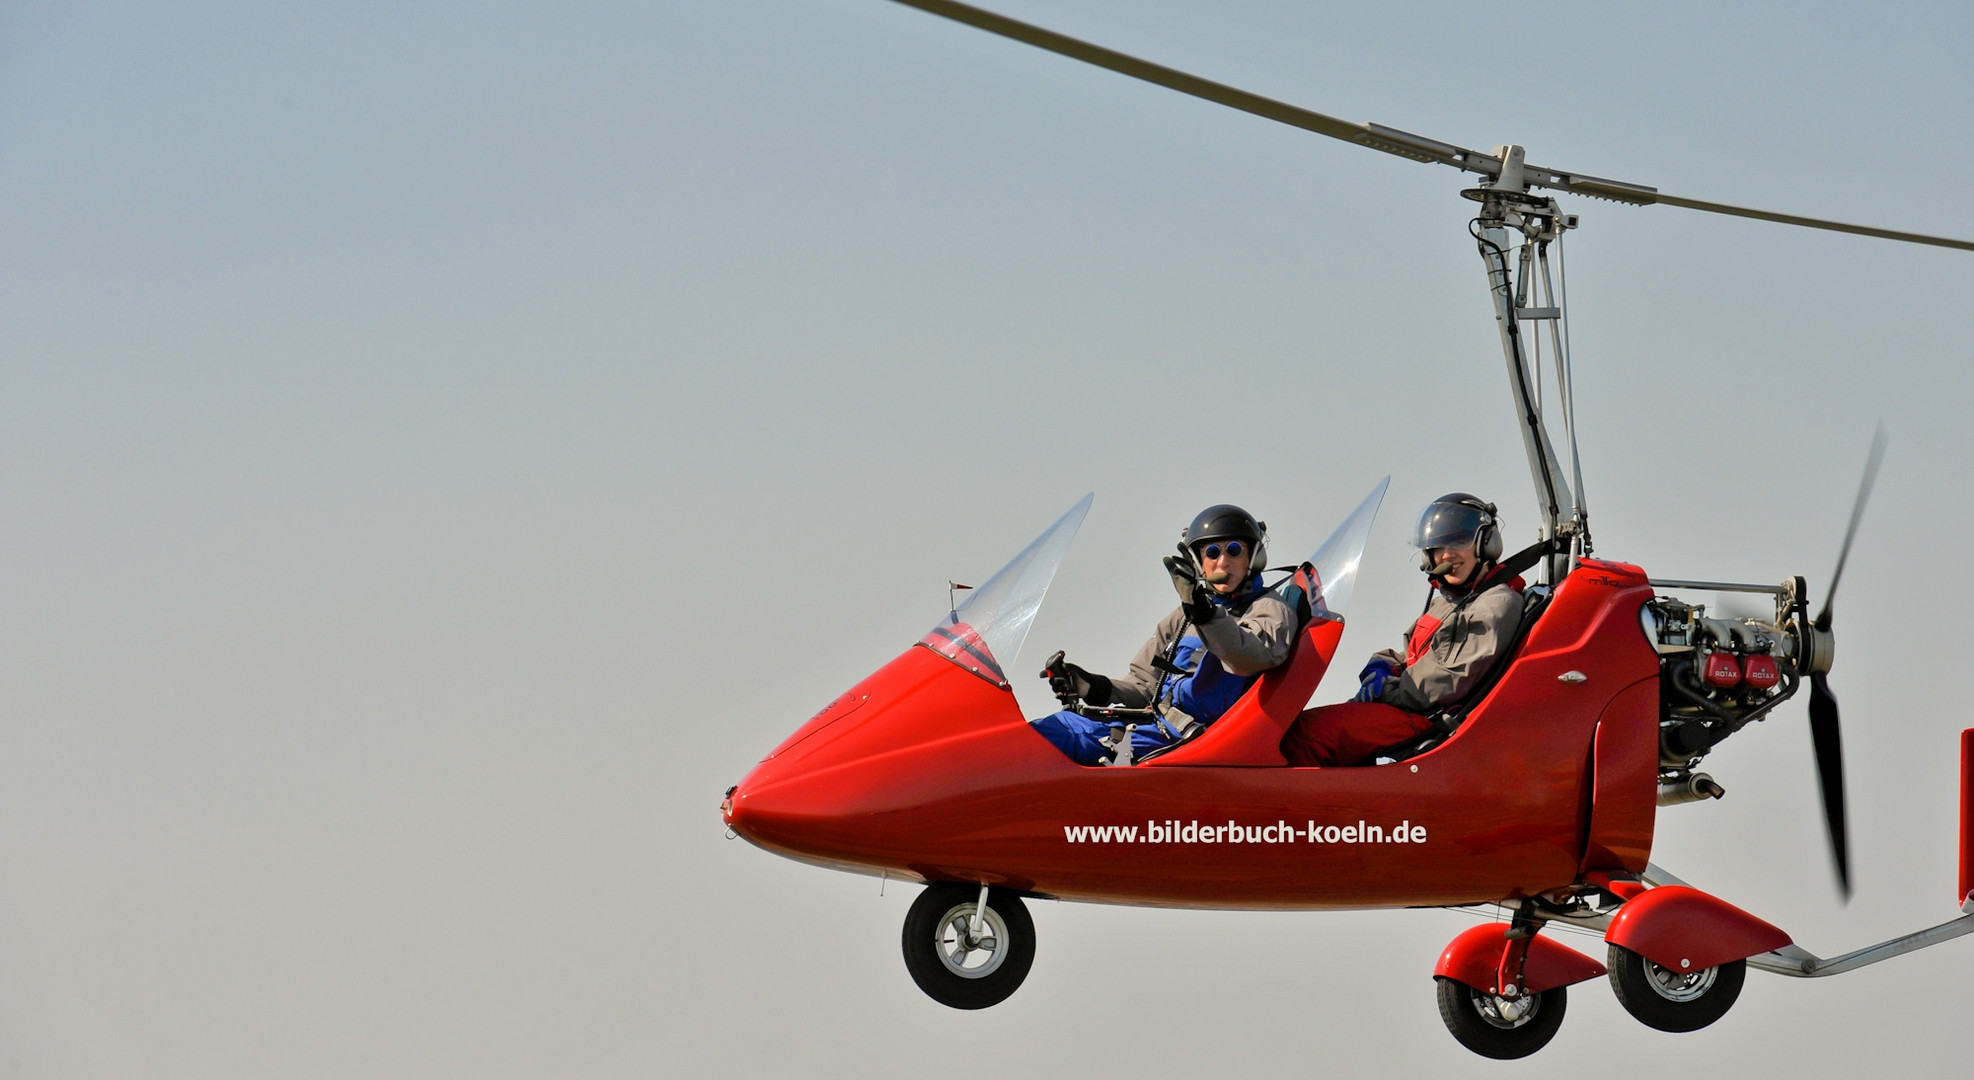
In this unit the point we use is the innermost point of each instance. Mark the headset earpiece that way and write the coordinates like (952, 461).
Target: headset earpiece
(1487, 538)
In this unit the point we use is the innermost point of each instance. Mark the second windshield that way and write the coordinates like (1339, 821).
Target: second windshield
(1336, 560)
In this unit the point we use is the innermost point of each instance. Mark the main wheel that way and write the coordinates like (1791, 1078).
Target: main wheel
(1498, 1027)
(1670, 999)
(953, 966)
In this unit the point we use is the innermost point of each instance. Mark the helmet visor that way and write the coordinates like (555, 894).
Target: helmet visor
(1448, 525)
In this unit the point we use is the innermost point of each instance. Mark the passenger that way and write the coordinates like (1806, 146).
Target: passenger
(1200, 659)
(1471, 615)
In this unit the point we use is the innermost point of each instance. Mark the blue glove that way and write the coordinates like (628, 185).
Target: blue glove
(1372, 680)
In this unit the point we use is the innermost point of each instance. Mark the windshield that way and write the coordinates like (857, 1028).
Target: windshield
(1336, 561)
(988, 627)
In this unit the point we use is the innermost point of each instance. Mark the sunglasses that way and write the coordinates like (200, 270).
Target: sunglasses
(1232, 550)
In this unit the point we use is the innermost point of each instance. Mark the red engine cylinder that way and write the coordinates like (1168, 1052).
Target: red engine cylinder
(1721, 670)
(1760, 671)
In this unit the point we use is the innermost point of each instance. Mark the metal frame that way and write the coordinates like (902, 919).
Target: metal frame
(1803, 964)
(1526, 292)
(1718, 586)
(1792, 960)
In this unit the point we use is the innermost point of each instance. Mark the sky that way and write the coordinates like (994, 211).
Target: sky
(444, 446)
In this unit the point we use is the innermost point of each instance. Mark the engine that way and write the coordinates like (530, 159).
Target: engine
(1717, 675)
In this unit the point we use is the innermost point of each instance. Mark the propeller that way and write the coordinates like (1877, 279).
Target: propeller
(1823, 705)
(1518, 176)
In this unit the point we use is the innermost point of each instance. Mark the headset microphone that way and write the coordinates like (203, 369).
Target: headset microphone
(1219, 577)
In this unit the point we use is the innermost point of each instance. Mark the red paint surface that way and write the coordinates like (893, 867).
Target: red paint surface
(1685, 929)
(1479, 955)
(1624, 799)
(1722, 670)
(1623, 890)
(1251, 732)
(1761, 672)
(926, 770)
(1966, 815)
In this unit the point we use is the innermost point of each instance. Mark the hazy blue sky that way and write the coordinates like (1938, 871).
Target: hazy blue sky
(443, 446)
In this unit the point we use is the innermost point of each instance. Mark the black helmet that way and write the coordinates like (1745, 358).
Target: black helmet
(1225, 521)
(1459, 520)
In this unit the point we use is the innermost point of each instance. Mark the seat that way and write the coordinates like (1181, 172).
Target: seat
(1300, 593)
(1448, 720)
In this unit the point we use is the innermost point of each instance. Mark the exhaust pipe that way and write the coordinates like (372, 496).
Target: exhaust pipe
(1700, 787)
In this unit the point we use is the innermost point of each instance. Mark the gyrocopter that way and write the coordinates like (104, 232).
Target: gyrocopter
(1537, 794)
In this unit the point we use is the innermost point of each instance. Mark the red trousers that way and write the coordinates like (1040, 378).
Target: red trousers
(1348, 734)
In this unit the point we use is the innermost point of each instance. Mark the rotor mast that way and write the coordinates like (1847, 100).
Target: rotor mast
(1524, 293)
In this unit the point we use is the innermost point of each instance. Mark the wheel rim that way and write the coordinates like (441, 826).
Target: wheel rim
(1505, 1013)
(960, 952)
(1680, 986)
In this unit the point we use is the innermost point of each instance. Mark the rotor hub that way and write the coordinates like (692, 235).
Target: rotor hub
(1522, 200)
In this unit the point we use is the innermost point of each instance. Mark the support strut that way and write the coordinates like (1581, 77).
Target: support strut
(1506, 205)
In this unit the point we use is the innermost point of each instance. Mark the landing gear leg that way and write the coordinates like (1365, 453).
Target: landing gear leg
(968, 947)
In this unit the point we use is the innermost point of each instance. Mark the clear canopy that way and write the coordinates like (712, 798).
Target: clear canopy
(1337, 559)
(988, 627)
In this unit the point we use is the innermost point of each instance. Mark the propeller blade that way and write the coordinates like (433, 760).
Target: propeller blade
(1830, 776)
(1377, 136)
(1871, 462)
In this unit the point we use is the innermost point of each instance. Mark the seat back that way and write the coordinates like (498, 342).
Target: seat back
(1294, 591)
(1448, 720)
(1250, 733)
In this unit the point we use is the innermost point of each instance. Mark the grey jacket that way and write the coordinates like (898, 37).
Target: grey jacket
(1466, 634)
(1248, 644)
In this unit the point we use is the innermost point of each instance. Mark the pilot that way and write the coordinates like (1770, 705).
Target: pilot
(1471, 615)
(1201, 658)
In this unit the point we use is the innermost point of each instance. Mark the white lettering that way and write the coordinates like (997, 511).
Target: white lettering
(1170, 831)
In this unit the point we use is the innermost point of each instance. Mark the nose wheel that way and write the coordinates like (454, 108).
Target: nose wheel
(1500, 1027)
(964, 954)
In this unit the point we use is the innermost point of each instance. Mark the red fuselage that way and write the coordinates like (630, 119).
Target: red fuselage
(928, 771)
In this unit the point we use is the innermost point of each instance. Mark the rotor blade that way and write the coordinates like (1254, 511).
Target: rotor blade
(1830, 776)
(1376, 136)
(1631, 195)
(1857, 511)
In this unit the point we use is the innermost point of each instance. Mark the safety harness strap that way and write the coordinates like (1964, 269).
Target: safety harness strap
(1512, 566)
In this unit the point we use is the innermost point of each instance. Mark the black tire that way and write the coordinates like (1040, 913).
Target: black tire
(1671, 1000)
(1476, 1018)
(955, 972)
